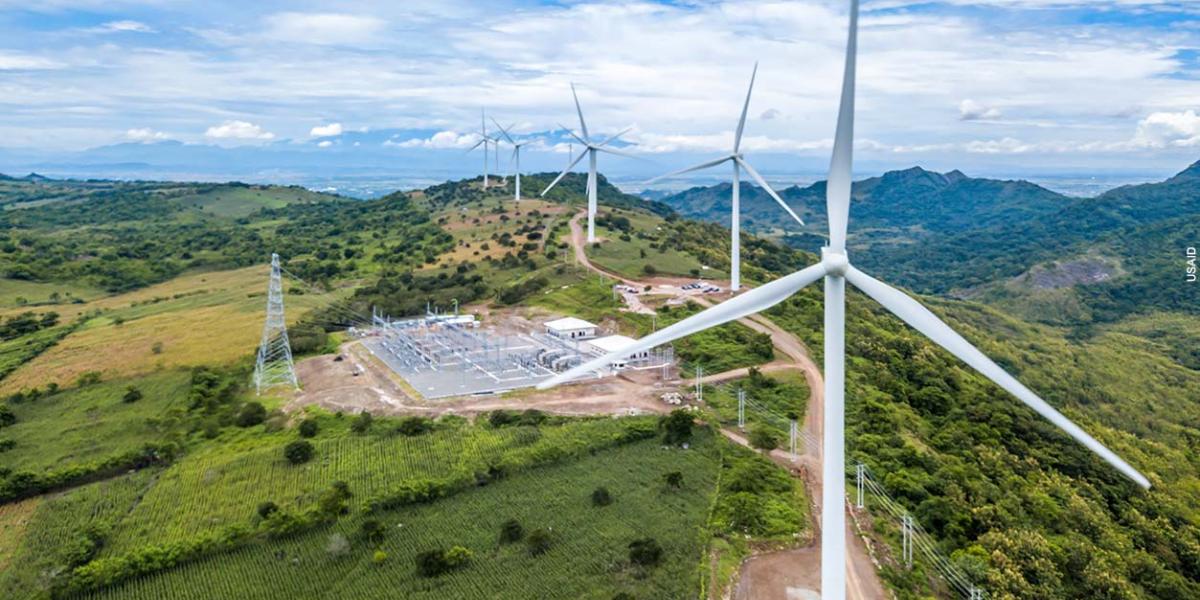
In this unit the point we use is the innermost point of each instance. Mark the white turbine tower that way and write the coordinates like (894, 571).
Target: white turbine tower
(516, 158)
(739, 163)
(589, 149)
(484, 140)
(836, 269)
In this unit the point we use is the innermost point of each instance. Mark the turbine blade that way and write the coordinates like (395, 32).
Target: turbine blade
(475, 146)
(615, 136)
(572, 133)
(837, 188)
(921, 319)
(619, 152)
(565, 171)
(756, 300)
(737, 137)
(711, 163)
(763, 183)
(578, 109)
(504, 131)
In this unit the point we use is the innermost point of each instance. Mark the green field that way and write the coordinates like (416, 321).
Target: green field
(629, 257)
(37, 295)
(588, 557)
(235, 202)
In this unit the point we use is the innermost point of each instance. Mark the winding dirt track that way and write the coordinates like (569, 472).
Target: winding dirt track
(792, 574)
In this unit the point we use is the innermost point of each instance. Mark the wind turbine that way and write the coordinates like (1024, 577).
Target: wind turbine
(739, 163)
(589, 149)
(484, 140)
(836, 270)
(516, 157)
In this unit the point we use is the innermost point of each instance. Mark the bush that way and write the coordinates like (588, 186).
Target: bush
(299, 451)
(266, 509)
(338, 546)
(379, 557)
(601, 497)
(88, 378)
(649, 269)
(413, 426)
(132, 394)
(308, 428)
(674, 479)
(251, 414)
(432, 563)
(645, 552)
(538, 542)
(677, 427)
(764, 438)
(511, 531)
(372, 531)
(335, 500)
(7, 416)
(362, 423)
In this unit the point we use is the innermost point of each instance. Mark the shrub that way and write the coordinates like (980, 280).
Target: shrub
(157, 348)
(299, 451)
(645, 552)
(677, 427)
(674, 479)
(432, 563)
(538, 542)
(132, 394)
(511, 531)
(362, 423)
(338, 545)
(601, 497)
(266, 509)
(7, 416)
(335, 500)
(372, 531)
(649, 269)
(251, 414)
(764, 438)
(88, 378)
(7, 445)
(308, 428)
(379, 557)
(413, 426)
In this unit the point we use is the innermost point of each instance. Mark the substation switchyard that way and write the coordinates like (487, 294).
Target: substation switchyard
(443, 355)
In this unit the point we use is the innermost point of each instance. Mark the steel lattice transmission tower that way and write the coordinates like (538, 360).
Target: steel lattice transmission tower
(274, 365)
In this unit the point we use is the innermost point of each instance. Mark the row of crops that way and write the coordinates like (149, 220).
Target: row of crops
(588, 557)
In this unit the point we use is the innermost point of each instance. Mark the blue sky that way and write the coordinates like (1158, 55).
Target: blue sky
(998, 85)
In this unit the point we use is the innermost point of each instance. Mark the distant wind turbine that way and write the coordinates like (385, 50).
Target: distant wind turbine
(516, 158)
(739, 163)
(589, 149)
(836, 269)
(484, 140)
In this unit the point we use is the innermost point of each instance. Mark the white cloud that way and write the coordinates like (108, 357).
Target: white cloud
(145, 134)
(1164, 129)
(1001, 146)
(770, 114)
(238, 130)
(26, 62)
(329, 130)
(322, 28)
(970, 110)
(325, 144)
(124, 26)
(439, 140)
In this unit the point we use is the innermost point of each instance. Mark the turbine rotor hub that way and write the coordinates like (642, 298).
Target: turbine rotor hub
(835, 261)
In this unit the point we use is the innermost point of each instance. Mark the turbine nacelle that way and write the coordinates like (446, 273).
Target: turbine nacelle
(836, 262)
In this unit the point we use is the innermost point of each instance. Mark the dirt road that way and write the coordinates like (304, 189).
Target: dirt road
(793, 574)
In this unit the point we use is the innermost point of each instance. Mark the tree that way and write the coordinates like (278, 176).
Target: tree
(372, 531)
(763, 437)
(432, 563)
(308, 428)
(299, 451)
(362, 423)
(7, 416)
(511, 531)
(649, 269)
(645, 552)
(538, 542)
(335, 500)
(674, 479)
(677, 427)
(252, 414)
(601, 497)
(413, 426)
(266, 509)
(132, 394)
(379, 557)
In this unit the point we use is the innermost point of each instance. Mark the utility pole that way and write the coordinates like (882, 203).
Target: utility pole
(742, 409)
(699, 386)
(906, 541)
(859, 472)
(273, 365)
(792, 435)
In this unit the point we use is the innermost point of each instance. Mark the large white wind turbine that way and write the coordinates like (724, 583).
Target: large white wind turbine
(836, 269)
(516, 158)
(483, 140)
(739, 162)
(589, 149)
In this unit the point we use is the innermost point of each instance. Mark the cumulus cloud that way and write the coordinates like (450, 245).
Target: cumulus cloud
(329, 130)
(1169, 129)
(970, 110)
(770, 114)
(26, 62)
(322, 28)
(145, 134)
(439, 141)
(325, 144)
(238, 130)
